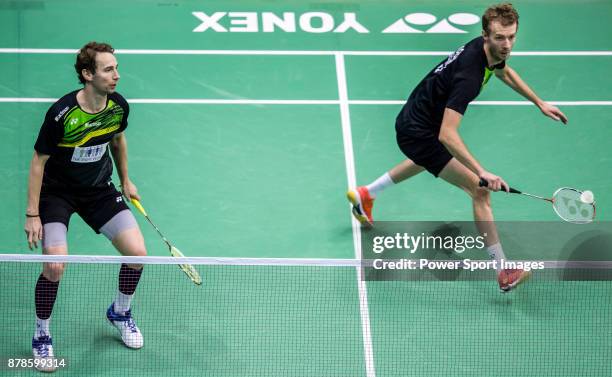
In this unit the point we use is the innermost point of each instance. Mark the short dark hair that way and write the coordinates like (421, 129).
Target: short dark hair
(86, 58)
(504, 13)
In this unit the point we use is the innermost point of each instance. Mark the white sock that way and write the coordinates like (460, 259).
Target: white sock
(122, 303)
(380, 184)
(42, 327)
(497, 253)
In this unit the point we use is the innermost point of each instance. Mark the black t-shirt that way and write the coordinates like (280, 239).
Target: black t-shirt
(77, 142)
(453, 83)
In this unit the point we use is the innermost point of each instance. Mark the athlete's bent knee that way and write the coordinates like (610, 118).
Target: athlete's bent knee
(481, 195)
(139, 251)
(53, 271)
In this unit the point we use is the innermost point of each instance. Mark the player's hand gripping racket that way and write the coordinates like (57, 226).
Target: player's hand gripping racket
(568, 203)
(188, 269)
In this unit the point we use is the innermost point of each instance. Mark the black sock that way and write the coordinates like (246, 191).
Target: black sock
(128, 279)
(44, 296)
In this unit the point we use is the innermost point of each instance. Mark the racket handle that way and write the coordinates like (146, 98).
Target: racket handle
(138, 206)
(483, 183)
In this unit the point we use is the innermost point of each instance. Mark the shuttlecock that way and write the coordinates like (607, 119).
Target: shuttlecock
(587, 197)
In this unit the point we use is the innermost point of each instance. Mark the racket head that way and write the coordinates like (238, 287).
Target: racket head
(569, 207)
(188, 269)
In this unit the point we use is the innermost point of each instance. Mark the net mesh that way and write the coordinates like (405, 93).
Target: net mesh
(256, 318)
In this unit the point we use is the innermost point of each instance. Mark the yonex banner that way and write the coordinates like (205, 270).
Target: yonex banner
(323, 22)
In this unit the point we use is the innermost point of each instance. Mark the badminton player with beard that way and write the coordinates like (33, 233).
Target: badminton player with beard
(427, 128)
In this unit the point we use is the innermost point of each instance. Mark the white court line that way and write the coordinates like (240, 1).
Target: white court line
(235, 101)
(490, 103)
(196, 101)
(27, 100)
(558, 103)
(293, 52)
(349, 160)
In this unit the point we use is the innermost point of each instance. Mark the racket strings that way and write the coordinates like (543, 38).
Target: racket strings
(188, 269)
(569, 206)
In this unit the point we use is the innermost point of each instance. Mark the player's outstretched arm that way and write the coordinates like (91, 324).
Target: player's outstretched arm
(513, 80)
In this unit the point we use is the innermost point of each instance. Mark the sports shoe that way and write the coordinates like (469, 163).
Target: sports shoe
(42, 348)
(130, 334)
(362, 205)
(508, 279)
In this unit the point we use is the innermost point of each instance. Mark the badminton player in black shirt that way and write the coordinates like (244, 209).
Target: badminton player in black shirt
(428, 124)
(70, 172)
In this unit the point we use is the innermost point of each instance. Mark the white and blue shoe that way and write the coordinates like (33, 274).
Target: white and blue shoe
(130, 334)
(42, 348)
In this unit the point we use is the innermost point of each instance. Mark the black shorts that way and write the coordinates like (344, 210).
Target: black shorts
(427, 152)
(96, 206)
